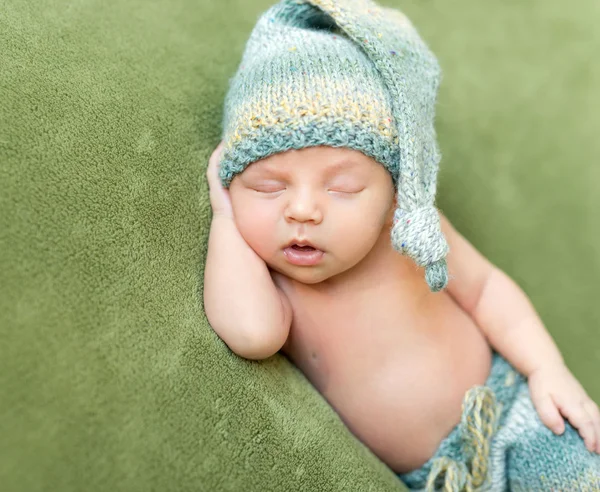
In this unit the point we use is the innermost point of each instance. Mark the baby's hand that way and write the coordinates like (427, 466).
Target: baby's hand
(219, 196)
(555, 391)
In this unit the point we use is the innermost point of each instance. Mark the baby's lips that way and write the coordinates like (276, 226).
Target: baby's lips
(301, 243)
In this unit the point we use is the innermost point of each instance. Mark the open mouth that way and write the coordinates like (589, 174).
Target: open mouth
(302, 254)
(302, 248)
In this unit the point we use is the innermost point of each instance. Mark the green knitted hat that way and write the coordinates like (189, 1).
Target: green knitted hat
(344, 73)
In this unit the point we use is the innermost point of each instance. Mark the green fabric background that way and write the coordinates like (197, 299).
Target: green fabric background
(110, 377)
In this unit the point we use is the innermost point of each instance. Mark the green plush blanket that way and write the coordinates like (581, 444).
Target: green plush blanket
(110, 377)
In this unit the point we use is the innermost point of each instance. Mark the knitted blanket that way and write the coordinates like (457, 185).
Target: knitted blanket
(110, 377)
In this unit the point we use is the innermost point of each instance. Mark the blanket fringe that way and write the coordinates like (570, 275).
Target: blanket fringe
(479, 422)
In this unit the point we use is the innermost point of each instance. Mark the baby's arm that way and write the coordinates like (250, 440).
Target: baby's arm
(512, 326)
(243, 305)
(498, 305)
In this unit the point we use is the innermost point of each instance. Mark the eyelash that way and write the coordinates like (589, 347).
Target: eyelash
(271, 192)
(347, 192)
(267, 189)
(268, 192)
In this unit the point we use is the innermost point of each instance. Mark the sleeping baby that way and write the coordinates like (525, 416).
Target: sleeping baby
(326, 245)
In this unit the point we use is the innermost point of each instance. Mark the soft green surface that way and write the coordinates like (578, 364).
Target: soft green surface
(110, 378)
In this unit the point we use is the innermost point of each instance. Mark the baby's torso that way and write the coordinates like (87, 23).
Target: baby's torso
(393, 359)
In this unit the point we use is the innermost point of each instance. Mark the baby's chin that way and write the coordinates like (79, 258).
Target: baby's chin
(304, 275)
(309, 275)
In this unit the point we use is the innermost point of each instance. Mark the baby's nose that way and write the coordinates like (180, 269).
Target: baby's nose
(304, 206)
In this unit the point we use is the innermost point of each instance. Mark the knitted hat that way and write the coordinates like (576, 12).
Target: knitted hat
(344, 73)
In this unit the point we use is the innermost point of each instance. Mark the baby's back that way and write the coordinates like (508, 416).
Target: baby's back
(393, 359)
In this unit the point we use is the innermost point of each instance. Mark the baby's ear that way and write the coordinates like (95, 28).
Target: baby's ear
(389, 220)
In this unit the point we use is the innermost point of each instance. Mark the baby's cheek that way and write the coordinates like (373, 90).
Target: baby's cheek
(258, 230)
(359, 233)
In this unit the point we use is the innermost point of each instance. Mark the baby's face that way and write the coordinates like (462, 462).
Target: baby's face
(337, 200)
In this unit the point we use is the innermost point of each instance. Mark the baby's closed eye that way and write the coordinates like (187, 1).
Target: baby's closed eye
(267, 186)
(345, 185)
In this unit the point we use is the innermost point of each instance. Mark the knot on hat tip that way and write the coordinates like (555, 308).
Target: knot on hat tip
(418, 234)
(436, 275)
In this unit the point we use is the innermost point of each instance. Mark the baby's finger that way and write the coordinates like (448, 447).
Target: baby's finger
(549, 414)
(594, 413)
(213, 162)
(582, 421)
(216, 155)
